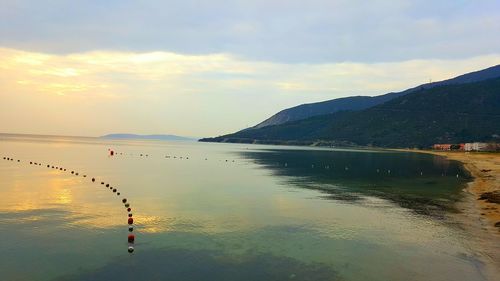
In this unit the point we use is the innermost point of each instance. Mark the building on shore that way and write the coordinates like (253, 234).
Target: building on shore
(476, 146)
(472, 146)
(442, 146)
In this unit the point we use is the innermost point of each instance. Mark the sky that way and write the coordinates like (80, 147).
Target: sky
(206, 68)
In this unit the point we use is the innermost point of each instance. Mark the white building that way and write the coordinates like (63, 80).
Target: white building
(475, 146)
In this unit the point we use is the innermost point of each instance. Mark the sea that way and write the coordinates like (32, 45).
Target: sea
(217, 211)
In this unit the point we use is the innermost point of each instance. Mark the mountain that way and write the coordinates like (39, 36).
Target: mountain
(445, 113)
(147, 137)
(362, 102)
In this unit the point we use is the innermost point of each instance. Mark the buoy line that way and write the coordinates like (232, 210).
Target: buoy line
(130, 219)
(326, 166)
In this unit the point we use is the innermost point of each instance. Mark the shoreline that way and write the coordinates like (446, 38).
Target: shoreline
(479, 217)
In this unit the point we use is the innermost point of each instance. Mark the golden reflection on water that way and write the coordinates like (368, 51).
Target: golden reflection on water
(30, 193)
(52, 190)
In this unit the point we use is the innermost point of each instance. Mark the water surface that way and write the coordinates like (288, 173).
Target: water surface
(229, 212)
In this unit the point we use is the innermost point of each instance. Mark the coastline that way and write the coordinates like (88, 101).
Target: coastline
(479, 217)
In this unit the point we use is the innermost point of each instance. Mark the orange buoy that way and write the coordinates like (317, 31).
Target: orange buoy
(130, 221)
(131, 238)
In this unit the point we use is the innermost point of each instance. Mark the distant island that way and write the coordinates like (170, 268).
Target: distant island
(148, 137)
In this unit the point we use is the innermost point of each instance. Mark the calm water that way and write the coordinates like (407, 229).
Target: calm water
(229, 212)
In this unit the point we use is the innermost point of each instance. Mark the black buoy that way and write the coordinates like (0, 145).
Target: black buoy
(130, 249)
(93, 179)
(130, 215)
(102, 182)
(30, 161)
(76, 174)
(72, 172)
(130, 228)
(114, 189)
(65, 170)
(61, 169)
(124, 200)
(127, 205)
(129, 209)
(118, 193)
(84, 176)
(107, 185)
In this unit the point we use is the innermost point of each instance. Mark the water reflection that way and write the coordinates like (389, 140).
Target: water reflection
(195, 265)
(426, 184)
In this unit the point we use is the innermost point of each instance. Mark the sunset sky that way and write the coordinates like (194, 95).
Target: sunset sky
(205, 68)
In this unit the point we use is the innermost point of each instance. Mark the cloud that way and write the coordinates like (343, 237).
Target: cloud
(98, 92)
(292, 31)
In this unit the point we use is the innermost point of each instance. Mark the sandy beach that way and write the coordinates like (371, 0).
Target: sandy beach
(480, 210)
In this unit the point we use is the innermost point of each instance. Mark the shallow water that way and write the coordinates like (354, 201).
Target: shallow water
(229, 212)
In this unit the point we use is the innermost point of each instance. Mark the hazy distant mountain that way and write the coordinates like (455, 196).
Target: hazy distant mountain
(443, 112)
(362, 102)
(148, 137)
